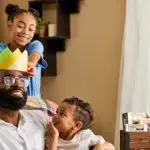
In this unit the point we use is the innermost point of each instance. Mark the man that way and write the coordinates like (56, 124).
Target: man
(19, 129)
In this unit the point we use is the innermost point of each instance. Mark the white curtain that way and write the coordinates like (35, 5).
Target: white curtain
(134, 86)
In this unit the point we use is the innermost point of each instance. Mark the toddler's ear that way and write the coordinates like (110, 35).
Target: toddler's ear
(78, 125)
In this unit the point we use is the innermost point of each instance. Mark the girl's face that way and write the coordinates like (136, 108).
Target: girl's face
(22, 29)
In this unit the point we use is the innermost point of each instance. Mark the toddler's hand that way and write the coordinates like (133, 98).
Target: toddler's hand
(52, 130)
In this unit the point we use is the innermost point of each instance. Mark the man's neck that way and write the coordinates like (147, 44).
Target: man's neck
(13, 46)
(9, 116)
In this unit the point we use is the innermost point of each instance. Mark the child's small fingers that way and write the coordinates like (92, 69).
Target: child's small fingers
(50, 124)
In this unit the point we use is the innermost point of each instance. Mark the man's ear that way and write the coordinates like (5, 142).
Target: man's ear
(9, 25)
(78, 125)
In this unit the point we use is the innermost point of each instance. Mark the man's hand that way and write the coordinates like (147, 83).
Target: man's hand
(105, 146)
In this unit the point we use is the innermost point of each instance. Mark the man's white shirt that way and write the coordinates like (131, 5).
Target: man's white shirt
(29, 135)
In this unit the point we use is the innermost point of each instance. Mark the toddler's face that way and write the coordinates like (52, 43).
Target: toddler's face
(64, 118)
(22, 29)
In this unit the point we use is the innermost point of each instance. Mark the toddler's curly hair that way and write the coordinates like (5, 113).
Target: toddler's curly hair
(83, 111)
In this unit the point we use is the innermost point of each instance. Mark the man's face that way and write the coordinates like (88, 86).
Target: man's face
(12, 96)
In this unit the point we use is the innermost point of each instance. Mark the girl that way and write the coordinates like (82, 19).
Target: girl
(21, 25)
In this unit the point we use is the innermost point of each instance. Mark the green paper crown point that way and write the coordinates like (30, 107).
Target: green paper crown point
(15, 60)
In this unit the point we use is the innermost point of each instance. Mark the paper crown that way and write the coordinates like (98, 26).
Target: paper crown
(16, 60)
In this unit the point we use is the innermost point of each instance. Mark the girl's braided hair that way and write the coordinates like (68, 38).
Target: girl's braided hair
(13, 10)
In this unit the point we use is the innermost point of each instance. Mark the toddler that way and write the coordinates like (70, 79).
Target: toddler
(70, 127)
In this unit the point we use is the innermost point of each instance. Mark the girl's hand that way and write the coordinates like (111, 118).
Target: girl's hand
(52, 130)
(31, 69)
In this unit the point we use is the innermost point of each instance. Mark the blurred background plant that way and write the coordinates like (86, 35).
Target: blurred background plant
(41, 27)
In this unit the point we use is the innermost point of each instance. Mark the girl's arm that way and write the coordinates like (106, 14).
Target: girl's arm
(34, 57)
(33, 60)
(35, 51)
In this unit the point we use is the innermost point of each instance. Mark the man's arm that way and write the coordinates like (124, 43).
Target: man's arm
(105, 146)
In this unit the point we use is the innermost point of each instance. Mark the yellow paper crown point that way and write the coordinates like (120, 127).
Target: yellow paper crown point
(16, 60)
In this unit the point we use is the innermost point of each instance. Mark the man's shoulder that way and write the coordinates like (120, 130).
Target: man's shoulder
(35, 115)
(32, 113)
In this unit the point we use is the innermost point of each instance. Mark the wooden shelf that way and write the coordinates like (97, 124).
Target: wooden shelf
(43, 1)
(51, 58)
(64, 8)
(52, 43)
(54, 37)
(48, 1)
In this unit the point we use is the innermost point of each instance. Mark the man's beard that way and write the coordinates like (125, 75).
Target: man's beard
(10, 101)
